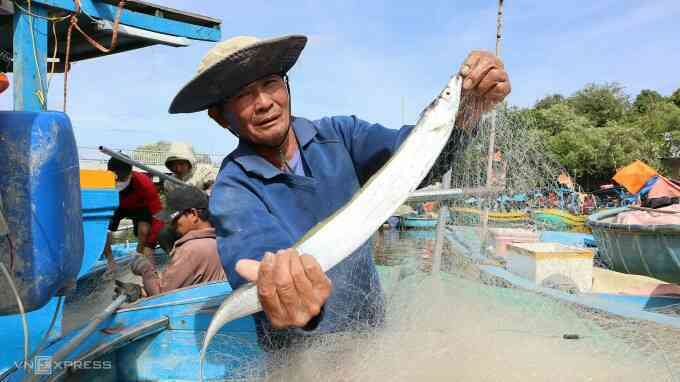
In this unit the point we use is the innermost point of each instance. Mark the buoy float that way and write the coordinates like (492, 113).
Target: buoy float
(4, 82)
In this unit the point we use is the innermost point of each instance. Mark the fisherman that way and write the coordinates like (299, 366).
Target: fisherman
(288, 174)
(193, 259)
(139, 201)
(181, 161)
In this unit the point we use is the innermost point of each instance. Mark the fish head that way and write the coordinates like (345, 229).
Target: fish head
(444, 107)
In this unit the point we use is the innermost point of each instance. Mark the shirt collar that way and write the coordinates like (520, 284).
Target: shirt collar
(252, 162)
(196, 234)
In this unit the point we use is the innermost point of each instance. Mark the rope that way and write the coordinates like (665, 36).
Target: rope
(54, 56)
(41, 90)
(93, 42)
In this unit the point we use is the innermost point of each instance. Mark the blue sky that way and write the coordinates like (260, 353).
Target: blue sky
(367, 57)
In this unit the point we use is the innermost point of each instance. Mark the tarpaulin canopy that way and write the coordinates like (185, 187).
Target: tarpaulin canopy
(634, 176)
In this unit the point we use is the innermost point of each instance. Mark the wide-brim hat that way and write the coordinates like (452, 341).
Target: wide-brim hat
(233, 64)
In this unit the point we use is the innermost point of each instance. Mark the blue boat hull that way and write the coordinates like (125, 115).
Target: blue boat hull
(417, 223)
(652, 251)
(159, 338)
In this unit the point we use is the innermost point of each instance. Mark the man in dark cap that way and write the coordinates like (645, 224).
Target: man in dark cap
(290, 173)
(193, 259)
(139, 201)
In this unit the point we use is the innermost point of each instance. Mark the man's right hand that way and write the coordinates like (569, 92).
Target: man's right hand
(291, 288)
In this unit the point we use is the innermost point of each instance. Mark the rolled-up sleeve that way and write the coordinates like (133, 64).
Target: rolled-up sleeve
(245, 228)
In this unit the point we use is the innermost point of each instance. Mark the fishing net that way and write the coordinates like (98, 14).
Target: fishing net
(466, 323)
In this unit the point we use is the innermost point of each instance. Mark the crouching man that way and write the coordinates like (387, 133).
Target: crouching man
(193, 259)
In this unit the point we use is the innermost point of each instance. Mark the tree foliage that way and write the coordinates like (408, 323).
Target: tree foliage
(675, 97)
(597, 130)
(155, 146)
(600, 103)
(549, 101)
(647, 100)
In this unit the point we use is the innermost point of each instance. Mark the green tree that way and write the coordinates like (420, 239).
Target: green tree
(675, 97)
(549, 101)
(660, 125)
(156, 146)
(600, 103)
(593, 154)
(646, 100)
(560, 117)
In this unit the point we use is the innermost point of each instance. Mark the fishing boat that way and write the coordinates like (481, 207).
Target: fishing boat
(613, 292)
(57, 318)
(418, 222)
(470, 216)
(649, 250)
(555, 219)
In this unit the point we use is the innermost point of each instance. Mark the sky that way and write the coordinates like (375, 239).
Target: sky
(380, 60)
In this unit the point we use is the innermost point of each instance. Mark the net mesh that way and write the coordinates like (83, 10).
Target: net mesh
(464, 323)
(467, 324)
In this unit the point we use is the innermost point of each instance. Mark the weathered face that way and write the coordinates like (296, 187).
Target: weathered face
(185, 222)
(260, 111)
(179, 167)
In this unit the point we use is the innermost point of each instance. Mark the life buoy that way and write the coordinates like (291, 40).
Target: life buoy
(4, 82)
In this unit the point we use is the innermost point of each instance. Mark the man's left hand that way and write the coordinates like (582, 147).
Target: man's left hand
(485, 77)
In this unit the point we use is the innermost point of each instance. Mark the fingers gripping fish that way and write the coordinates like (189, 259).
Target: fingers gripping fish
(382, 194)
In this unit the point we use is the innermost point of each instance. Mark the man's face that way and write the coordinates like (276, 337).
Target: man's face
(185, 222)
(261, 111)
(179, 167)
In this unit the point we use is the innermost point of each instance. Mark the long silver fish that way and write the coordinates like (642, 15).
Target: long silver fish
(382, 194)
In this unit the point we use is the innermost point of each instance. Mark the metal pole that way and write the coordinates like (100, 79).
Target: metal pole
(441, 226)
(142, 166)
(492, 135)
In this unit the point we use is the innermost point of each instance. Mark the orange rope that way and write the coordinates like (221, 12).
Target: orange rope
(93, 42)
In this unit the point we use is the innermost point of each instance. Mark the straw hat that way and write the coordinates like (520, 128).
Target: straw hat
(234, 63)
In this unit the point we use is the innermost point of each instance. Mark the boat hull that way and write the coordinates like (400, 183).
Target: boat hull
(471, 216)
(418, 223)
(652, 251)
(558, 220)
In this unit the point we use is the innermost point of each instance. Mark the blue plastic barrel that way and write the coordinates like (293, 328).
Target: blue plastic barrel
(40, 189)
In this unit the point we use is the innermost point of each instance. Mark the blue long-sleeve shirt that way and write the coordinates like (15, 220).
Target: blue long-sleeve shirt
(257, 208)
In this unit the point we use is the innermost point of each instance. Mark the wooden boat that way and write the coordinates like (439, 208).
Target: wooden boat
(559, 220)
(648, 250)
(417, 222)
(471, 216)
(612, 292)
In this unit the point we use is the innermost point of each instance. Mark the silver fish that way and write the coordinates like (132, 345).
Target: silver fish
(350, 226)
